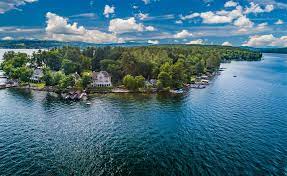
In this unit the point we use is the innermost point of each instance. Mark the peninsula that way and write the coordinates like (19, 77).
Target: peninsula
(119, 69)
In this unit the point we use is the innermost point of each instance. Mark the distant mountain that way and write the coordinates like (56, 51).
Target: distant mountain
(46, 44)
(273, 50)
(41, 44)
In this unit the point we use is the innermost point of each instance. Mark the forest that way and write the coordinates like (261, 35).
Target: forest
(171, 65)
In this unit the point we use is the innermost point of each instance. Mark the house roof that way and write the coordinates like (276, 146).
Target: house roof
(95, 74)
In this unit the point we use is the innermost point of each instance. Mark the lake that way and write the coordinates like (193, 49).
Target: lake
(236, 126)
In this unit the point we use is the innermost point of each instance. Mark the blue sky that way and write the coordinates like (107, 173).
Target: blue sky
(258, 23)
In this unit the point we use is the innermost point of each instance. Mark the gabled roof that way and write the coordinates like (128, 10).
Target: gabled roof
(95, 74)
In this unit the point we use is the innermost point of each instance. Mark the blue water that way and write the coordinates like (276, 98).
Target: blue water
(236, 126)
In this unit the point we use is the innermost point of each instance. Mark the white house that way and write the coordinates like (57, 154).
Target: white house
(101, 79)
(37, 74)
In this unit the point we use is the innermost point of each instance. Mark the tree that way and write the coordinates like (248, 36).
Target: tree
(67, 81)
(130, 82)
(164, 80)
(52, 59)
(86, 79)
(24, 73)
(58, 76)
(140, 81)
(48, 77)
(178, 74)
(69, 67)
(128, 63)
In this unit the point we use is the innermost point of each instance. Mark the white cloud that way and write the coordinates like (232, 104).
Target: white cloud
(183, 34)
(6, 5)
(146, 1)
(275, 3)
(150, 28)
(217, 17)
(58, 28)
(85, 15)
(108, 11)
(266, 40)
(143, 16)
(236, 16)
(154, 42)
(196, 42)
(178, 22)
(256, 8)
(191, 16)
(279, 22)
(230, 4)
(119, 25)
(243, 22)
(212, 18)
(226, 44)
(262, 26)
(7, 38)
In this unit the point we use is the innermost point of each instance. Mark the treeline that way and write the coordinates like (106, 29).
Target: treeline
(170, 65)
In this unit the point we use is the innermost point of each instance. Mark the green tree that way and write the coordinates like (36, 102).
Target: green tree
(164, 80)
(140, 81)
(86, 79)
(58, 76)
(67, 81)
(130, 82)
(23, 74)
(69, 67)
(48, 77)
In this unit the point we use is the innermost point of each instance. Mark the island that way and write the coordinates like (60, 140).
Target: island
(74, 72)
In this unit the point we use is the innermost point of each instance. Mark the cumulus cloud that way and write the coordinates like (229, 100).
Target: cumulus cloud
(230, 4)
(212, 18)
(119, 26)
(243, 22)
(217, 17)
(279, 22)
(196, 42)
(59, 29)
(256, 8)
(183, 34)
(266, 40)
(108, 11)
(153, 42)
(6, 5)
(7, 38)
(226, 44)
(237, 16)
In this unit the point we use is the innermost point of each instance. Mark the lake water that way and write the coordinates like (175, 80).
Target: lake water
(236, 126)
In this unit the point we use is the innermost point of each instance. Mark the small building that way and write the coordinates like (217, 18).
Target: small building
(101, 79)
(151, 82)
(37, 74)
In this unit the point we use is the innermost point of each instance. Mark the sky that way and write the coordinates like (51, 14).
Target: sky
(255, 23)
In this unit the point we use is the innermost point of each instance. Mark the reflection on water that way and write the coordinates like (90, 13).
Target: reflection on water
(236, 126)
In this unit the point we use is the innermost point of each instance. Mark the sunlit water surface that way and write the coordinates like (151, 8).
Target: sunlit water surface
(236, 126)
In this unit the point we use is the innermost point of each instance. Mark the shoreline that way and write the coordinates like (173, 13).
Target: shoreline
(197, 84)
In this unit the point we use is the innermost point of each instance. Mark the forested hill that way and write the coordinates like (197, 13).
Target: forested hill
(46, 44)
(273, 50)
